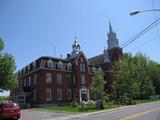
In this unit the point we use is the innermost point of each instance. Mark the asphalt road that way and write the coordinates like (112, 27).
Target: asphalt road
(149, 111)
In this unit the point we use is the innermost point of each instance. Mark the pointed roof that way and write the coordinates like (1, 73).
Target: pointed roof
(110, 28)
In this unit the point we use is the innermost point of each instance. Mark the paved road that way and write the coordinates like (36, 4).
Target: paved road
(149, 111)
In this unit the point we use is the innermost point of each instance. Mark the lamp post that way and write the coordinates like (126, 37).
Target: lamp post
(138, 11)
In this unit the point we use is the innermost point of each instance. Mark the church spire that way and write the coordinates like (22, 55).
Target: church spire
(110, 28)
(112, 39)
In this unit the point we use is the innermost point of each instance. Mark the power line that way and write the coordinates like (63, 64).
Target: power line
(152, 25)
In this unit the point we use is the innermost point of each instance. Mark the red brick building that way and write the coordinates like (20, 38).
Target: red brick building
(50, 80)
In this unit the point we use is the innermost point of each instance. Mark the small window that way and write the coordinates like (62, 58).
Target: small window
(59, 78)
(48, 94)
(69, 94)
(48, 77)
(82, 67)
(29, 81)
(34, 64)
(69, 66)
(83, 79)
(69, 79)
(59, 94)
(60, 65)
(50, 63)
(25, 82)
(34, 94)
(93, 69)
(35, 79)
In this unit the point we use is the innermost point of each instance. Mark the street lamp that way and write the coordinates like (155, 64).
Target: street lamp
(138, 11)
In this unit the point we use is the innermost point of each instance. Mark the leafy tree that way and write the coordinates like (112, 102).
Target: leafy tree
(7, 67)
(97, 87)
(146, 84)
(153, 70)
(125, 84)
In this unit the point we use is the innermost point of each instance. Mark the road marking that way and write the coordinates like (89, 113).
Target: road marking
(139, 114)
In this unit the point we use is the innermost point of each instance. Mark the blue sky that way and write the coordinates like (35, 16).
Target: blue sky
(34, 28)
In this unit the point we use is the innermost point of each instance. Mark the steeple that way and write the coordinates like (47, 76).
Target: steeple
(110, 28)
(75, 48)
(112, 39)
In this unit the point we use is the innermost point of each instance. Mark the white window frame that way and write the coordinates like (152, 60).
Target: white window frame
(35, 79)
(50, 63)
(34, 94)
(59, 94)
(59, 78)
(69, 79)
(69, 66)
(29, 81)
(60, 65)
(25, 82)
(83, 81)
(48, 94)
(48, 78)
(69, 94)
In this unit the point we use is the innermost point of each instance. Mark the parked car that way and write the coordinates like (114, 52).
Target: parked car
(9, 110)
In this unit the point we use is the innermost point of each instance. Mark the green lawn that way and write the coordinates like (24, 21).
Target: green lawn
(76, 109)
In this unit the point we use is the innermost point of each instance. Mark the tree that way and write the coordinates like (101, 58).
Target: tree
(8, 78)
(97, 87)
(125, 84)
(153, 70)
(131, 78)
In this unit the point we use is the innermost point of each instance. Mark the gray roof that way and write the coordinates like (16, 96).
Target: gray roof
(97, 60)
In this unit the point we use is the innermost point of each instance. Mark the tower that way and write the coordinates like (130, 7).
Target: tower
(75, 48)
(114, 51)
(112, 39)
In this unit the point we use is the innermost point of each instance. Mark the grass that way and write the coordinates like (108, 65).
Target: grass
(76, 109)
(144, 101)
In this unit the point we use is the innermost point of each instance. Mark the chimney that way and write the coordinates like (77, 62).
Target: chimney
(68, 56)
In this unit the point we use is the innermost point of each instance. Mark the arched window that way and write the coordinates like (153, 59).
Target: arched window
(69, 66)
(50, 63)
(93, 69)
(60, 65)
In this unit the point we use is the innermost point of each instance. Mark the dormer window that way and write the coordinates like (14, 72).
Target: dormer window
(93, 69)
(100, 70)
(60, 65)
(28, 68)
(50, 63)
(34, 64)
(69, 66)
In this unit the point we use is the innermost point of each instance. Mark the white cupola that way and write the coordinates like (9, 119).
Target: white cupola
(75, 48)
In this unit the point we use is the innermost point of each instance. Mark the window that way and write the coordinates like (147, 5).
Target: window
(93, 69)
(48, 77)
(28, 68)
(69, 79)
(25, 82)
(59, 94)
(82, 67)
(29, 81)
(35, 79)
(60, 65)
(69, 66)
(59, 78)
(34, 94)
(34, 64)
(69, 94)
(48, 94)
(83, 79)
(49, 63)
